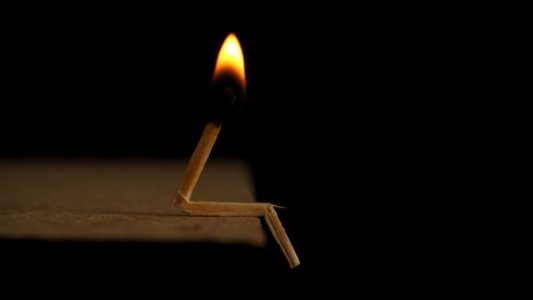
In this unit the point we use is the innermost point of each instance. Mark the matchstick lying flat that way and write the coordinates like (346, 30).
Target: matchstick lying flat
(227, 209)
(235, 209)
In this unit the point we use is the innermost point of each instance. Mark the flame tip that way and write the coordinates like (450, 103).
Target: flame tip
(230, 59)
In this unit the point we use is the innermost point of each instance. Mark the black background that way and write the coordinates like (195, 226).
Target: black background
(331, 125)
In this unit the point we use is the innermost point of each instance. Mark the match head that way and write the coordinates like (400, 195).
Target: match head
(226, 99)
(227, 93)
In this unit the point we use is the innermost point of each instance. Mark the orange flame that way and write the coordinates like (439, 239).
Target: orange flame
(230, 59)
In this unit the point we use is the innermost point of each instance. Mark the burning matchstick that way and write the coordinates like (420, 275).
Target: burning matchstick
(227, 97)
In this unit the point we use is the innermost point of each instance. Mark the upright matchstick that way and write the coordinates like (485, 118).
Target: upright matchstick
(197, 163)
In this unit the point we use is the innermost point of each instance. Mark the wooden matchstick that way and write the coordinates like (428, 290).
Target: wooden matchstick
(281, 236)
(236, 209)
(227, 209)
(197, 162)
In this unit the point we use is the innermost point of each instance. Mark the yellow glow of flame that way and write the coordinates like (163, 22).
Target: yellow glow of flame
(230, 59)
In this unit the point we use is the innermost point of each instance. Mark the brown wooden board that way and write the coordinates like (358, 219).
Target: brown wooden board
(120, 200)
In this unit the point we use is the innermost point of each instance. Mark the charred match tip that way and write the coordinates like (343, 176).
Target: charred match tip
(226, 99)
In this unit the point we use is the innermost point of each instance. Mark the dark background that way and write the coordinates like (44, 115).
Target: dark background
(331, 125)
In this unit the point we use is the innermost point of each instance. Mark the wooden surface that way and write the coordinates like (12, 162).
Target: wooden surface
(120, 200)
